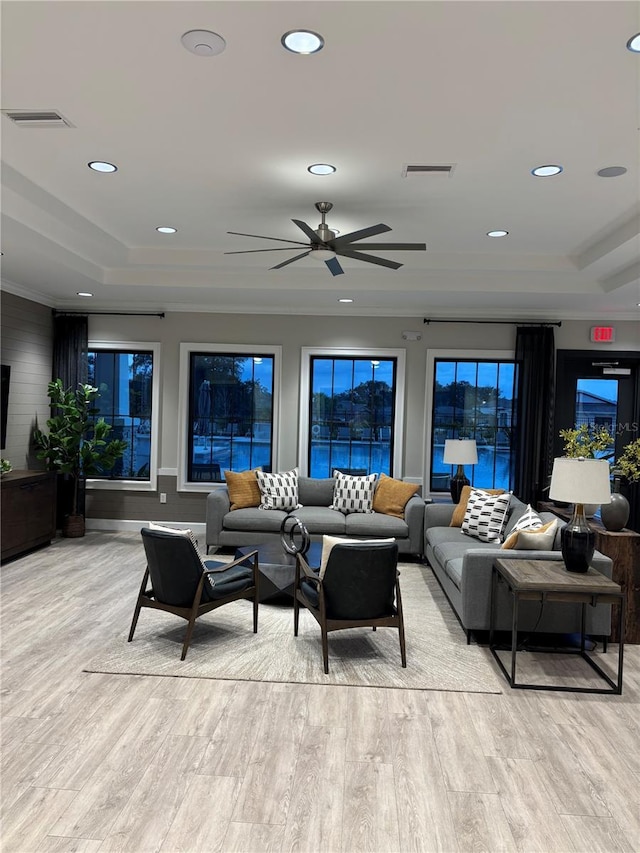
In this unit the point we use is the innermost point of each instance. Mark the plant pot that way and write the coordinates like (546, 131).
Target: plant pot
(73, 526)
(615, 515)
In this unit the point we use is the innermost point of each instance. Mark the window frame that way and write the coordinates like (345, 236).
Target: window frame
(150, 485)
(434, 355)
(186, 349)
(399, 354)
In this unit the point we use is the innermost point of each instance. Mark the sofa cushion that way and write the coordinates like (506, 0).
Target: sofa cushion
(243, 488)
(315, 491)
(437, 535)
(486, 515)
(353, 494)
(321, 519)
(375, 524)
(254, 519)
(391, 495)
(537, 539)
(458, 513)
(278, 491)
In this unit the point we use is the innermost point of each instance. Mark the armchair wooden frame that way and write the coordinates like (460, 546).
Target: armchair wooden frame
(327, 624)
(147, 598)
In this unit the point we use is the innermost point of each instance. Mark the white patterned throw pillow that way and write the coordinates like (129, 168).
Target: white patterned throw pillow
(486, 515)
(278, 491)
(353, 494)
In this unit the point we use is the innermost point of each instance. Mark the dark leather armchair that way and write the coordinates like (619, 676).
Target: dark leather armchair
(185, 585)
(360, 588)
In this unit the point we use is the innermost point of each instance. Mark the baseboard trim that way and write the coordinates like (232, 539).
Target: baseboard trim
(125, 525)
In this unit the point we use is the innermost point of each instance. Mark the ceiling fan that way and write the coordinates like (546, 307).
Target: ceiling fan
(327, 246)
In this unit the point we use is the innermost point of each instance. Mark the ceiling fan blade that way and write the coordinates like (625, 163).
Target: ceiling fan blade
(250, 251)
(334, 266)
(371, 259)
(371, 231)
(261, 237)
(391, 247)
(290, 261)
(311, 234)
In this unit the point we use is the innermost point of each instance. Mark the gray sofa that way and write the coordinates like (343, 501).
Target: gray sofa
(463, 565)
(253, 526)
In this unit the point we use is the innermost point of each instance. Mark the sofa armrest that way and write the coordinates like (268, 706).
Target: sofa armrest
(217, 507)
(438, 515)
(414, 518)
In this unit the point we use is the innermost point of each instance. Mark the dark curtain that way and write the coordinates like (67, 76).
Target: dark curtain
(535, 360)
(70, 344)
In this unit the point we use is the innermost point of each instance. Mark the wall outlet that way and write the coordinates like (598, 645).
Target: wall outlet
(163, 497)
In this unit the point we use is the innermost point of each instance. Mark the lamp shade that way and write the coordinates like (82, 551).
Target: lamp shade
(584, 481)
(460, 451)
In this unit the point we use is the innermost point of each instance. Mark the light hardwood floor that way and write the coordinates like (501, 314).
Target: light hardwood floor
(136, 763)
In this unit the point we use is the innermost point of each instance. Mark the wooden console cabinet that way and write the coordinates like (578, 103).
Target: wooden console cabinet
(623, 548)
(28, 511)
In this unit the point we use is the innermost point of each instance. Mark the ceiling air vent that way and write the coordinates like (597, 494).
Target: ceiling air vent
(433, 170)
(37, 118)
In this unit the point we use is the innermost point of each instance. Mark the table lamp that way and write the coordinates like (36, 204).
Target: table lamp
(460, 452)
(579, 481)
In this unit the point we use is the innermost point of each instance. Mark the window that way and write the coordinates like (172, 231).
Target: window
(230, 407)
(125, 375)
(352, 419)
(474, 398)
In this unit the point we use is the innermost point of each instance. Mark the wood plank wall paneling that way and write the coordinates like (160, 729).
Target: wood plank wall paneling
(146, 506)
(27, 344)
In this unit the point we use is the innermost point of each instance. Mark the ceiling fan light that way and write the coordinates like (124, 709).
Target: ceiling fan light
(302, 41)
(323, 254)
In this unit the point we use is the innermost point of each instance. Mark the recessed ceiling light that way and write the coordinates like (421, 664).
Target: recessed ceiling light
(84, 293)
(611, 171)
(321, 169)
(345, 300)
(497, 233)
(203, 42)
(302, 41)
(166, 229)
(546, 171)
(634, 43)
(100, 166)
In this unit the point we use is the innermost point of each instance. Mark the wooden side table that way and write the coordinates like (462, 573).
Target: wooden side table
(623, 547)
(546, 580)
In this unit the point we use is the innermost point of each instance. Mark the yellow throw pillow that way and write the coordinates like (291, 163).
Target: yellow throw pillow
(533, 539)
(244, 490)
(391, 496)
(458, 513)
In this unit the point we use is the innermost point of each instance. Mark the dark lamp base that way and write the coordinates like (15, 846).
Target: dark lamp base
(457, 483)
(578, 543)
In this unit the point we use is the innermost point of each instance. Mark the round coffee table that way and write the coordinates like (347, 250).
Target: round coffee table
(277, 568)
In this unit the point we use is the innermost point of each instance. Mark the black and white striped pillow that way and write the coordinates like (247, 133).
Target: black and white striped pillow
(486, 515)
(353, 494)
(278, 491)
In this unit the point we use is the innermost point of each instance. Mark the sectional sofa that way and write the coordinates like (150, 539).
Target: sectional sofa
(463, 565)
(252, 526)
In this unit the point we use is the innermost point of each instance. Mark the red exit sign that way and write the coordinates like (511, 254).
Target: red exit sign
(603, 334)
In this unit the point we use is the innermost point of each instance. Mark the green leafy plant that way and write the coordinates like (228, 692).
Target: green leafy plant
(77, 440)
(587, 441)
(628, 465)
(5, 466)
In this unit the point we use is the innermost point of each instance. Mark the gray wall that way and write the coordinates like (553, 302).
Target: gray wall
(26, 330)
(27, 342)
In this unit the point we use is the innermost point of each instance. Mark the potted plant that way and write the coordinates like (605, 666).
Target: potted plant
(589, 442)
(77, 443)
(616, 514)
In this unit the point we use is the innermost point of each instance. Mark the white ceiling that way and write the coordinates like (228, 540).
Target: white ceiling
(217, 144)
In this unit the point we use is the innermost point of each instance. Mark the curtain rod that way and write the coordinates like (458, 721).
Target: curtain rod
(499, 322)
(57, 313)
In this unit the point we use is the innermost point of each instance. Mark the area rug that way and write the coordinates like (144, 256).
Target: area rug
(224, 647)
